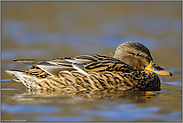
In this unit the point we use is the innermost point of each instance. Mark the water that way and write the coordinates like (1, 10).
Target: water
(97, 106)
(31, 30)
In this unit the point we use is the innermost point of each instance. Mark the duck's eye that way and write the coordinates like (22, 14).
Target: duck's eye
(137, 54)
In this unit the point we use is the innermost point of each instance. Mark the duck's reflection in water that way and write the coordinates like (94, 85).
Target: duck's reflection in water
(69, 97)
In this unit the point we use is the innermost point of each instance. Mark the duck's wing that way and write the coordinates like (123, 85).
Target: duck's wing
(82, 63)
(92, 63)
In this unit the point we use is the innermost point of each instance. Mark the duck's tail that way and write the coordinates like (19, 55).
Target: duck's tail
(28, 80)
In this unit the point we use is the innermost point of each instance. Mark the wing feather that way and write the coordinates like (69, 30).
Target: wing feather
(82, 63)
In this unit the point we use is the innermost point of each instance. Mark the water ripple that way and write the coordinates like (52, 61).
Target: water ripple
(18, 109)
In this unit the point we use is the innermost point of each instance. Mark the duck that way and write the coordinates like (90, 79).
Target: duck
(130, 68)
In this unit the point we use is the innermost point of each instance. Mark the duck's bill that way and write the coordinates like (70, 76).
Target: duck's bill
(157, 69)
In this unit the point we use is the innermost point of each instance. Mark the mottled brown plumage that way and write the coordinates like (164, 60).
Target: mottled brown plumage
(131, 68)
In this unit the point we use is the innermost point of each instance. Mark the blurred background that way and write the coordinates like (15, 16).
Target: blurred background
(45, 30)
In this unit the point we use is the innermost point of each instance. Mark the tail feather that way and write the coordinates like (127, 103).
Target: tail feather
(28, 80)
(32, 61)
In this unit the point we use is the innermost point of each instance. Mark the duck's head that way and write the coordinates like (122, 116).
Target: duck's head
(138, 56)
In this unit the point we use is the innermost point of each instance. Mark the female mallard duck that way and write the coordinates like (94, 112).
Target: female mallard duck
(131, 68)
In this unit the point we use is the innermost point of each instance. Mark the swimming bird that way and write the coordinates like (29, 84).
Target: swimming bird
(131, 68)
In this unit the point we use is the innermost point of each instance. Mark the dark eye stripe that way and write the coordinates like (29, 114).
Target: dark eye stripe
(136, 54)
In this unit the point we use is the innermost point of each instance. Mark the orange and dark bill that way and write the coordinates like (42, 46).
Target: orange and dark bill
(157, 69)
